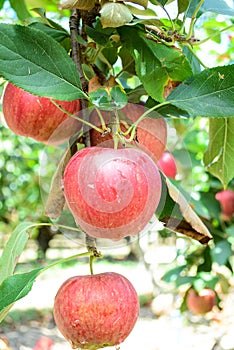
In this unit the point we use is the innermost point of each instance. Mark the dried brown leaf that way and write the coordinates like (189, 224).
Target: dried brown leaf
(192, 226)
(56, 201)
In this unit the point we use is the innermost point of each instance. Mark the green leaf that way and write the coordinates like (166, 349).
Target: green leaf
(199, 284)
(191, 8)
(108, 100)
(195, 64)
(209, 280)
(100, 38)
(184, 280)
(155, 63)
(1, 3)
(221, 252)
(182, 5)
(207, 94)
(35, 62)
(21, 9)
(13, 248)
(219, 155)
(173, 274)
(16, 287)
(218, 6)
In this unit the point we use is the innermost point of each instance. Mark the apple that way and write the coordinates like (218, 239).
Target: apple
(167, 165)
(112, 193)
(43, 343)
(151, 134)
(226, 200)
(95, 311)
(201, 302)
(37, 117)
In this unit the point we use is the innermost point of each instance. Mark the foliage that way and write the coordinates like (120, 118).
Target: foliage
(153, 59)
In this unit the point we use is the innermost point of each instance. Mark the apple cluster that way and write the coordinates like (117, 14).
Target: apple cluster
(111, 191)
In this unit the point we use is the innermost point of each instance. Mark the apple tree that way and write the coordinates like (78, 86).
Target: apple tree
(112, 86)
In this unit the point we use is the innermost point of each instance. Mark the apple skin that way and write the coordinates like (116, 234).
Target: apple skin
(202, 302)
(226, 200)
(112, 193)
(151, 133)
(37, 117)
(95, 311)
(167, 165)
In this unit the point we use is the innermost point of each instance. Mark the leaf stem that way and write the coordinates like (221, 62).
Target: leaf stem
(194, 54)
(133, 127)
(193, 19)
(213, 35)
(76, 117)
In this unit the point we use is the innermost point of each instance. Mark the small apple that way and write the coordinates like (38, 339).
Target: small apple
(201, 302)
(43, 343)
(96, 311)
(167, 165)
(151, 134)
(37, 117)
(226, 200)
(112, 193)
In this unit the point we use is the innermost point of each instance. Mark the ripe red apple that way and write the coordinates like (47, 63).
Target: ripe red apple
(226, 200)
(167, 165)
(37, 117)
(43, 343)
(96, 311)
(151, 134)
(202, 302)
(112, 193)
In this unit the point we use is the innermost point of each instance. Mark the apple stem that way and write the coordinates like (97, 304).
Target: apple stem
(104, 128)
(132, 129)
(115, 130)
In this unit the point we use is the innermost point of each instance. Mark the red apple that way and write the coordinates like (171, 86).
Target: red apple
(37, 117)
(43, 343)
(96, 311)
(202, 302)
(167, 165)
(151, 134)
(112, 193)
(226, 200)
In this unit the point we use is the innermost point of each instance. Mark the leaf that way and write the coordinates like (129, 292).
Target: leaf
(143, 3)
(35, 62)
(56, 200)
(184, 280)
(195, 64)
(115, 15)
(207, 94)
(155, 63)
(172, 274)
(109, 98)
(16, 287)
(189, 223)
(21, 9)
(221, 252)
(191, 8)
(162, 2)
(1, 3)
(218, 6)
(13, 248)
(219, 155)
(182, 5)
